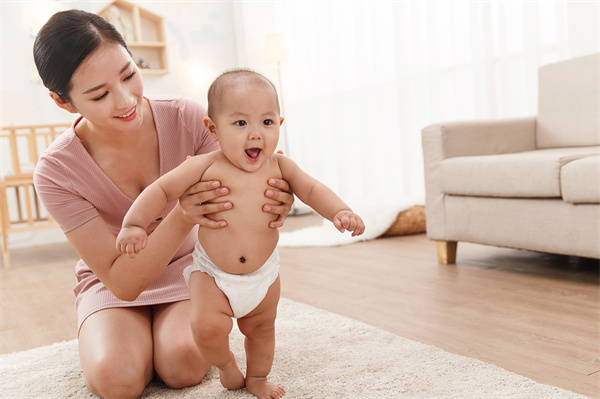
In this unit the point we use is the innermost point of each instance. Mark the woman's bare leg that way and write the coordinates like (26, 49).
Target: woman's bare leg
(211, 324)
(259, 328)
(177, 360)
(115, 350)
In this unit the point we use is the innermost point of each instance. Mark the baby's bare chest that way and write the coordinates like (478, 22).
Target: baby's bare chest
(246, 190)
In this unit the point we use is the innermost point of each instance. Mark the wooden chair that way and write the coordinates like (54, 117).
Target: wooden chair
(20, 209)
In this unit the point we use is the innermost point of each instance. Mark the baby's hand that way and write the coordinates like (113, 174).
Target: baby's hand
(350, 221)
(131, 240)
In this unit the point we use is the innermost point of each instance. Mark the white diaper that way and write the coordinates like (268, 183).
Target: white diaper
(244, 291)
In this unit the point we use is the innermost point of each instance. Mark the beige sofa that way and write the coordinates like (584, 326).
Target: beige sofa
(531, 183)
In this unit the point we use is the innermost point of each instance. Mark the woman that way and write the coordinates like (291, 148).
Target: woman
(133, 312)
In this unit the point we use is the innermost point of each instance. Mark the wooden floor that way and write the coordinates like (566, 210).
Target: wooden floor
(533, 314)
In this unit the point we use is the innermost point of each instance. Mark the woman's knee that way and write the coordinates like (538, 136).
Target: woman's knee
(181, 365)
(116, 351)
(109, 378)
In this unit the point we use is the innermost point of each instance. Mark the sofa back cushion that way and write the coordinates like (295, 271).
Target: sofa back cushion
(568, 103)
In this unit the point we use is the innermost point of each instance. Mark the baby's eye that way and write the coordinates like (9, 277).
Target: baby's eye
(268, 122)
(240, 123)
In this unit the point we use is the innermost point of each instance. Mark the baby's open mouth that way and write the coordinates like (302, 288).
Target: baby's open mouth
(253, 152)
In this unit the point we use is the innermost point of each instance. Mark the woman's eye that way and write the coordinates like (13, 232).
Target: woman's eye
(240, 123)
(267, 122)
(130, 76)
(101, 97)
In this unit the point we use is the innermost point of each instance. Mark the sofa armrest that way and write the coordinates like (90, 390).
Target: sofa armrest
(462, 138)
(466, 138)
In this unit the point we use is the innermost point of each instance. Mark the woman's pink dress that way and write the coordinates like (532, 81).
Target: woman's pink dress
(75, 190)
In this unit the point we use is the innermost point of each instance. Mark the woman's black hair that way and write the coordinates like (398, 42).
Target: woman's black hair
(64, 41)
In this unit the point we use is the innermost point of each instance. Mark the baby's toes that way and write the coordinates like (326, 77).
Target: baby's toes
(278, 393)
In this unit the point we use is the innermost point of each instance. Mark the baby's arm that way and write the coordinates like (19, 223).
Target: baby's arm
(349, 221)
(320, 197)
(169, 187)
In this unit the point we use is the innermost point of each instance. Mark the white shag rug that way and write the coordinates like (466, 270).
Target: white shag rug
(318, 355)
(377, 213)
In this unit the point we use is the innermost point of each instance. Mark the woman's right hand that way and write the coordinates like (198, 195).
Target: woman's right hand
(199, 201)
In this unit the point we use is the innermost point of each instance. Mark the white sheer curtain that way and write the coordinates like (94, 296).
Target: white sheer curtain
(365, 77)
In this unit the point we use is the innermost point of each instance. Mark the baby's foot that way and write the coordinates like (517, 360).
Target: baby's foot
(231, 376)
(263, 389)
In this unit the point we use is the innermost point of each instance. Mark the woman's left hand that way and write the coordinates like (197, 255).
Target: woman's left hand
(280, 192)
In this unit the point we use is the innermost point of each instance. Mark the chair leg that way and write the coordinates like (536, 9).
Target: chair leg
(5, 258)
(5, 255)
(4, 225)
(446, 252)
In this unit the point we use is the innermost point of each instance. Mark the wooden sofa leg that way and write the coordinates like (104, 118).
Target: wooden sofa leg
(446, 251)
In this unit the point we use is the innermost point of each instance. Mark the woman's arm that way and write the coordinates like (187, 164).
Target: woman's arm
(127, 277)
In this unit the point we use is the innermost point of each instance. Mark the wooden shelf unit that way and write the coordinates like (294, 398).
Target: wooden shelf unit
(143, 32)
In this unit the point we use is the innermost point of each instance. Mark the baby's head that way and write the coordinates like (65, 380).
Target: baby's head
(243, 116)
(235, 79)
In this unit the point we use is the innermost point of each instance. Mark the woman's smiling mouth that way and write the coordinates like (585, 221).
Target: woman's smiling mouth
(128, 114)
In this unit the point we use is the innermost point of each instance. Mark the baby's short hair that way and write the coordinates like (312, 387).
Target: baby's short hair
(232, 77)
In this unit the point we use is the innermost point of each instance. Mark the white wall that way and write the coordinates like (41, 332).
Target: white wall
(584, 25)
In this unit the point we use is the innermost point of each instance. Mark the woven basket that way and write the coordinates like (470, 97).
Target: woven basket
(410, 221)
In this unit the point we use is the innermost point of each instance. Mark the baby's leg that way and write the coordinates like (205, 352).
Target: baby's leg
(211, 324)
(259, 328)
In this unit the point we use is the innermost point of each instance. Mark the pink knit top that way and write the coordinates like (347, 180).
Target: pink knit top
(75, 190)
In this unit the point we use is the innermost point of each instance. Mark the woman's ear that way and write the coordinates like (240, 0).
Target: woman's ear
(59, 101)
(211, 127)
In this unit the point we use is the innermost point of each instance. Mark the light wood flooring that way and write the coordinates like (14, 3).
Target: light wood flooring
(530, 313)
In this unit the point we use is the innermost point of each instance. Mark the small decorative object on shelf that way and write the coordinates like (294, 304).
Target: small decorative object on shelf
(143, 32)
(143, 64)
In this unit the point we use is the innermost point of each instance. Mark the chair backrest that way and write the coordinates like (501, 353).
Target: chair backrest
(568, 103)
(25, 144)
(20, 210)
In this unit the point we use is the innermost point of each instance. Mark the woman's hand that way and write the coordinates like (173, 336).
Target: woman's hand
(199, 200)
(280, 192)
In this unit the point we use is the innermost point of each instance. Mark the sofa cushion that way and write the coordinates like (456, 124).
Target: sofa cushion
(526, 174)
(580, 181)
(568, 103)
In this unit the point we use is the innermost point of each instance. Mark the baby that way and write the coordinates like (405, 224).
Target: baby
(235, 272)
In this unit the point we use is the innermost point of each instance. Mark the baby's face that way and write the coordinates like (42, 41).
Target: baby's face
(247, 125)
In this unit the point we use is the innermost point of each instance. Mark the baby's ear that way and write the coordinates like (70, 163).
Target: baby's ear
(211, 127)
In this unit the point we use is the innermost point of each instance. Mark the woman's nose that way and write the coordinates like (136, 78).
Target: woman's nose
(123, 98)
